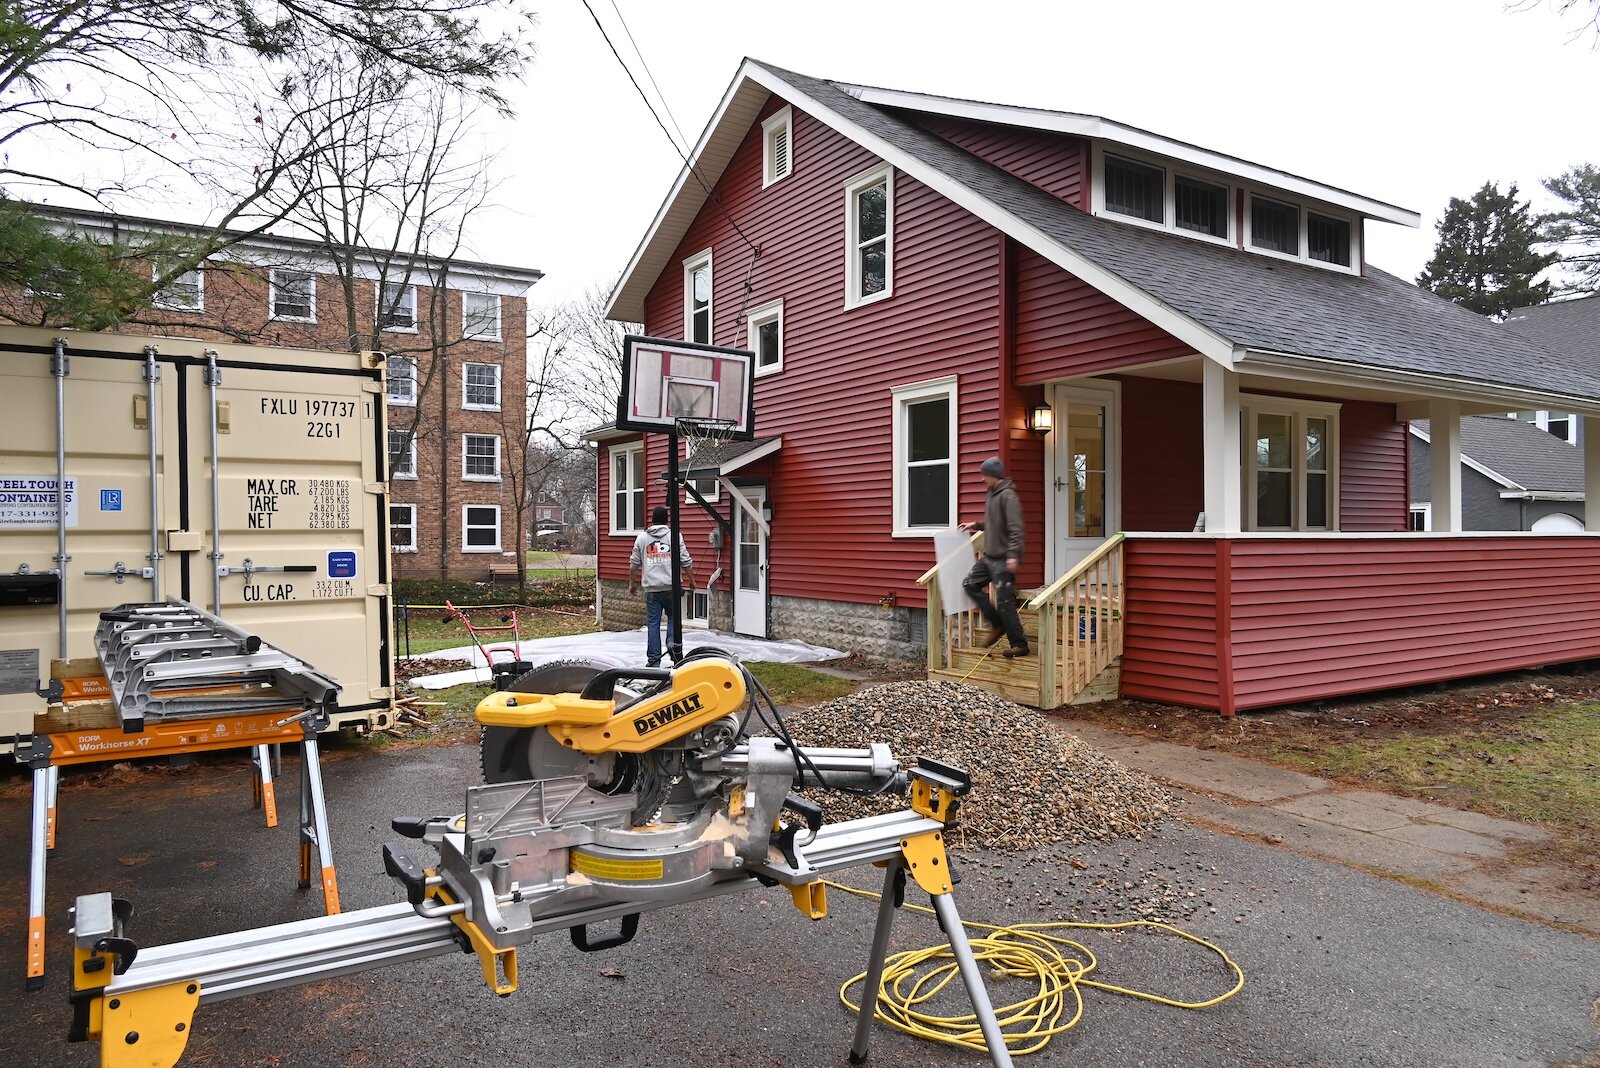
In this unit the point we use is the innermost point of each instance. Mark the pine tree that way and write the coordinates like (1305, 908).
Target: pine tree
(1485, 257)
(1576, 228)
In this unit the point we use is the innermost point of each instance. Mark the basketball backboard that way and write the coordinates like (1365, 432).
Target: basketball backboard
(664, 381)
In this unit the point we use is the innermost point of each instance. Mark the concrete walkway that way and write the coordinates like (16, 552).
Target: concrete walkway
(1463, 853)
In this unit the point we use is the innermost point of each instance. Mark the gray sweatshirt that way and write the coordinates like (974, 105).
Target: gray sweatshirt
(652, 558)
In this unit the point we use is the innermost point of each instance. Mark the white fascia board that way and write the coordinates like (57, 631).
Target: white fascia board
(608, 433)
(1512, 488)
(751, 457)
(1097, 128)
(1541, 495)
(1180, 326)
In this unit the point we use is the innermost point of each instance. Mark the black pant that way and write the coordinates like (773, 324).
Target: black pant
(1002, 614)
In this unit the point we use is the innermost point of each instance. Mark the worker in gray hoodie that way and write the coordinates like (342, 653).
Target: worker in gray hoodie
(1002, 555)
(650, 565)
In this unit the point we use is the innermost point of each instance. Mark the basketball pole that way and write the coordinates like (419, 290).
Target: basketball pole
(675, 618)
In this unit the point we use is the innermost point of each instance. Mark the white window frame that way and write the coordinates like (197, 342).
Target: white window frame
(611, 454)
(412, 525)
(1171, 171)
(770, 312)
(466, 322)
(1306, 209)
(690, 266)
(166, 304)
(408, 476)
(499, 397)
(390, 378)
(1541, 419)
(1254, 405)
(852, 259)
(1425, 510)
(408, 288)
(272, 295)
(498, 534)
(781, 121)
(689, 618)
(904, 397)
(710, 488)
(498, 451)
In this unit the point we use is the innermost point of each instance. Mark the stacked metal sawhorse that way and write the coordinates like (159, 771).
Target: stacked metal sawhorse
(172, 679)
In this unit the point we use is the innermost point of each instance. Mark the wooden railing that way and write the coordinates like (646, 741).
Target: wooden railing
(946, 633)
(1080, 623)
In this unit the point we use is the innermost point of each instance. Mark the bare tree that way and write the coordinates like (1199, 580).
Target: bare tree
(590, 377)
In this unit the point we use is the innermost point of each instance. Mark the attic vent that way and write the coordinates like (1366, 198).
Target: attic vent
(777, 141)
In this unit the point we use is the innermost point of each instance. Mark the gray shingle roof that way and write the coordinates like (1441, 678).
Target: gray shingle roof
(1567, 328)
(1374, 320)
(1532, 458)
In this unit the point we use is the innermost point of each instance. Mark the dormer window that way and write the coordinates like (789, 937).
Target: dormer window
(1274, 226)
(1200, 206)
(1328, 239)
(1136, 189)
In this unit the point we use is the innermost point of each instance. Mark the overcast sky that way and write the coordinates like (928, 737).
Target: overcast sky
(1408, 101)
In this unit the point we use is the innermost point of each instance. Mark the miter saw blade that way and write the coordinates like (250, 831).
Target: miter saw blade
(517, 754)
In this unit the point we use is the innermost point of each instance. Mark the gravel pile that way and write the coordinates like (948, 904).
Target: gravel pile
(1033, 783)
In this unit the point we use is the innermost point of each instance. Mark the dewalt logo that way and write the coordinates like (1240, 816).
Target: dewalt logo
(662, 716)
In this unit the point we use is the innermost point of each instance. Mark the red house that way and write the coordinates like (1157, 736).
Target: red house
(1198, 384)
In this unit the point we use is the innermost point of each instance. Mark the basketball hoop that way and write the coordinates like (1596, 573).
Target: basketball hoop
(702, 437)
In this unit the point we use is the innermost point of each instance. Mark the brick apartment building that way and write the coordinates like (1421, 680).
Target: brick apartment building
(456, 341)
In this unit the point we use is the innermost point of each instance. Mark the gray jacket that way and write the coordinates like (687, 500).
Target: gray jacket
(1002, 522)
(652, 558)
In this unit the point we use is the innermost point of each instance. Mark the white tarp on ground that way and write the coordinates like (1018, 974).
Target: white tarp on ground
(620, 648)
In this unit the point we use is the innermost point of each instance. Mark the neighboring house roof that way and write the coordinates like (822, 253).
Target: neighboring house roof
(1569, 328)
(1233, 306)
(1519, 456)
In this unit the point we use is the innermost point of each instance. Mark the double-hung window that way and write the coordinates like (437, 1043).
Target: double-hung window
(1291, 460)
(185, 292)
(765, 337)
(924, 443)
(869, 236)
(400, 376)
(397, 307)
(480, 457)
(293, 295)
(480, 387)
(480, 528)
(627, 488)
(697, 298)
(480, 316)
(402, 453)
(403, 528)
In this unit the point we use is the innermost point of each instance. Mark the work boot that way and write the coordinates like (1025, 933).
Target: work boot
(1015, 651)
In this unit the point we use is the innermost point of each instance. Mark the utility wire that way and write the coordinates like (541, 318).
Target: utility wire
(682, 138)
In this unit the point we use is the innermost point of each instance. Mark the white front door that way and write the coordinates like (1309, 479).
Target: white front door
(750, 568)
(1085, 476)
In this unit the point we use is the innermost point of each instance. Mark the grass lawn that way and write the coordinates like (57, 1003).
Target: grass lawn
(791, 684)
(430, 632)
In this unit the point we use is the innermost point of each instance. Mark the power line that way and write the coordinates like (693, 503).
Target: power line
(682, 137)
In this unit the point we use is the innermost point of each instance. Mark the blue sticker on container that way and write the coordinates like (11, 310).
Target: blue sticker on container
(342, 565)
(111, 500)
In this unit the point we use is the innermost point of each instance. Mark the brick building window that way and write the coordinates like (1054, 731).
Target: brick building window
(480, 387)
(480, 316)
(627, 489)
(186, 292)
(293, 295)
(480, 457)
(401, 375)
(403, 528)
(480, 528)
(397, 307)
(402, 453)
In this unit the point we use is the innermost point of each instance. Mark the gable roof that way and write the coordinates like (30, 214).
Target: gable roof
(1237, 308)
(1567, 328)
(1516, 454)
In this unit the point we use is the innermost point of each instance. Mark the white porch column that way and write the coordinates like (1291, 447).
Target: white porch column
(1444, 463)
(1224, 448)
(1591, 472)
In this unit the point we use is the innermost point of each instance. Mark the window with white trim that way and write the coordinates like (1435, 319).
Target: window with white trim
(186, 292)
(764, 337)
(1154, 194)
(1562, 424)
(403, 528)
(1135, 189)
(1291, 465)
(293, 295)
(777, 154)
(1274, 226)
(400, 378)
(627, 488)
(397, 307)
(1282, 228)
(480, 457)
(402, 453)
(480, 528)
(1327, 239)
(696, 608)
(708, 487)
(697, 298)
(1421, 517)
(924, 443)
(480, 387)
(869, 237)
(480, 316)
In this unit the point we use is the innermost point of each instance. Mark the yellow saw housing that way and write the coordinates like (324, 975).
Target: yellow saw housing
(702, 692)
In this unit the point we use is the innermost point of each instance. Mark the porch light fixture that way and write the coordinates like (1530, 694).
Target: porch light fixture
(1042, 419)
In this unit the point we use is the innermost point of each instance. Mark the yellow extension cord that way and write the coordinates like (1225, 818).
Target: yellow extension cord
(1023, 951)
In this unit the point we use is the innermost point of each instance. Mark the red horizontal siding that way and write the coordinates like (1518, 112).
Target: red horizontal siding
(1163, 454)
(1373, 472)
(1056, 163)
(1170, 637)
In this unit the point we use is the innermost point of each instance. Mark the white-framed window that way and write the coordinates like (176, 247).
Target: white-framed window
(397, 307)
(1137, 190)
(1279, 227)
(403, 528)
(402, 453)
(697, 298)
(480, 457)
(480, 316)
(400, 378)
(480, 528)
(1421, 517)
(777, 153)
(480, 387)
(1563, 425)
(925, 456)
(869, 237)
(1291, 464)
(627, 488)
(765, 337)
(696, 608)
(708, 487)
(185, 293)
(1163, 195)
(293, 295)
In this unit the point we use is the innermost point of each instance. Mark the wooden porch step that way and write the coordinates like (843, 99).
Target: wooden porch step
(1106, 687)
(1024, 690)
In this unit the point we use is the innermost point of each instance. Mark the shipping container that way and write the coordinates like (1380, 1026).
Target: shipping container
(246, 480)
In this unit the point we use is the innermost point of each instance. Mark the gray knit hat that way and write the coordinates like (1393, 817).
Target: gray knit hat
(993, 468)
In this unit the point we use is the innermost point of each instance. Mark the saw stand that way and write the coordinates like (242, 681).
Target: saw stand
(174, 680)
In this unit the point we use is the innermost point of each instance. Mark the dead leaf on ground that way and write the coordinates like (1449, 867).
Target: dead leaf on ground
(611, 973)
(133, 861)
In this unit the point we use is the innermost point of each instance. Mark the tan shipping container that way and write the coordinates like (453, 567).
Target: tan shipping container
(299, 553)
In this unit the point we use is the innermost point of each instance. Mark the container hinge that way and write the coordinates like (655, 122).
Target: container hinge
(122, 572)
(60, 362)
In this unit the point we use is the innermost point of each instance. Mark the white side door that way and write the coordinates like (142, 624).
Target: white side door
(750, 569)
(1085, 476)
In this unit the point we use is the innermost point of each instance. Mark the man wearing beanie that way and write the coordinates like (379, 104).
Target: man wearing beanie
(1002, 554)
(650, 564)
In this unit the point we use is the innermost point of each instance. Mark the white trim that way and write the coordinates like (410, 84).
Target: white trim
(199, 305)
(407, 287)
(782, 119)
(1335, 535)
(1303, 213)
(1170, 176)
(690, 266)
(1427, 516)
(272, 296)
(1096, 128)
(754, 320)
(499, 395)
(744, 502)
(497, 458)
(900, 398)
(499, 332)
(1106, 392)
(401, 402)
(1541, 495)
(405, 476)
(499, 535)
(853, 188)
(612, 452)
(1491, 475)
(413, 547)
(1254, 405)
